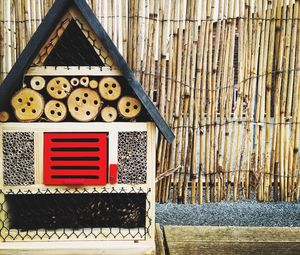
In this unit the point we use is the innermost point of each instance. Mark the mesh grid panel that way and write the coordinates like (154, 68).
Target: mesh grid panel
(71, 214)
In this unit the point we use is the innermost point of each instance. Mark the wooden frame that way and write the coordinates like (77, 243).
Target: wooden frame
(112, 129)
(72, 71)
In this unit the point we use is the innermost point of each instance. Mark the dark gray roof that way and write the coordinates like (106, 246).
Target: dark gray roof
(59, 8)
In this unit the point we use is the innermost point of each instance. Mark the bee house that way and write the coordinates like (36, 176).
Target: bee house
(77, 144)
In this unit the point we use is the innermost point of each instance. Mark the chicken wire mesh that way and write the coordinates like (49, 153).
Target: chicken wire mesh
(72, 214)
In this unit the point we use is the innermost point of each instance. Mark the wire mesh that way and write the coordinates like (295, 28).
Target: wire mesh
(68, 214)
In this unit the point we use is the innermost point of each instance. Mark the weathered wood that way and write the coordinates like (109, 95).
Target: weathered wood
(232, 240)
(159, 240)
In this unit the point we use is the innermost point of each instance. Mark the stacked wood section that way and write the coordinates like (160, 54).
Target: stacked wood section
(225, 75)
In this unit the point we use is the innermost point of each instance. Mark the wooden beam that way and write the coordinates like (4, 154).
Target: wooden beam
(78, 248)
(72, 71)
(232, 240)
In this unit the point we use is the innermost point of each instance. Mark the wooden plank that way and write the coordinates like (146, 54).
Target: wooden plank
(78, 248)
(232, 240)
(70, 127)
(72, 71)
(159, 239)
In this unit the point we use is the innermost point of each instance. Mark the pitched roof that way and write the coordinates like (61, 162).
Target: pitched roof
(59, 8)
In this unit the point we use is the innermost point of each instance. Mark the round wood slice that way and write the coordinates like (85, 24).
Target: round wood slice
(110, 89)
(4, 116)
(129, 107)
(37, 83)
(74, 82)
(94, 84)
(109, 114)
(55, 111)
(59, 87)
(28, 105)
(84, 81)
(84, 104)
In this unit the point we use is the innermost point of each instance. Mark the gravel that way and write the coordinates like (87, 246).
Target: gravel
(243, 213)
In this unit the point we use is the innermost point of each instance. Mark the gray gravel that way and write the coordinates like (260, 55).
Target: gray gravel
(243, 213)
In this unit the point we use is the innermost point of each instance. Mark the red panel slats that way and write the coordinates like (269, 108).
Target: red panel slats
(66, 156)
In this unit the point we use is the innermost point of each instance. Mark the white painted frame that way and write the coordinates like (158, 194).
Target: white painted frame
(112, 129)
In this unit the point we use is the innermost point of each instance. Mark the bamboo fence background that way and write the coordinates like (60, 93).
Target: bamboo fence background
(224, 73)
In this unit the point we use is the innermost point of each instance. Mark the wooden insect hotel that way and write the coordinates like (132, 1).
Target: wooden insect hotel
(77, 144)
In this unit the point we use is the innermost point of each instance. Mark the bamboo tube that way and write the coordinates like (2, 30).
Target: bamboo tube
(178, 102)
(292, 30)
(124, 28)
(296, 111)
(7, 37)
(260, 102)
(267, 172)
(145, 45)
(275, 137)
(185, 97)
(153, 51)
(221, 94)
(2, 41)
(13, 32)
(170, 98)
(139, 39)
(239, 104)
(27, 20)
(283, 131)
(230, 84)
(254, 37)
(194, 102)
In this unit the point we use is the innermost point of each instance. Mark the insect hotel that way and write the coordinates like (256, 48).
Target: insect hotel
(77, 144)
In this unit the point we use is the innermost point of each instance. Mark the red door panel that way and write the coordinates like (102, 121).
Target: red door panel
(75, 158)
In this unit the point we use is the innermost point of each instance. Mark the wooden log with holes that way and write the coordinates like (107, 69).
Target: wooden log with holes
(74, 82)
(110, 89)
(59, 88)
(37, 83)
(28, 105)
(129, 107)
(109, 114)
(55, 111)
(84, 104)
(84, 81)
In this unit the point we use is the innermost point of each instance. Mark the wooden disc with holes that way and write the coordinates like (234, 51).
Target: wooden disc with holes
(28, 105)
(59, 87)
(109, 114)
(84, 81)
(93, 84)
(129, 107)
(55, 111)
(4, 116)
(84, 104)
(74, 82)
(110, 89)
(37, 83)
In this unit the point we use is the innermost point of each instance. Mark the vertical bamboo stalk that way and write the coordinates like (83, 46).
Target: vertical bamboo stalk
(267, 177)
(1, 41)
(178, 101)
(124, 8)
(283, 80)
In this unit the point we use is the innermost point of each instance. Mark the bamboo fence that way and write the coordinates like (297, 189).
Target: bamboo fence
(225, 74)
